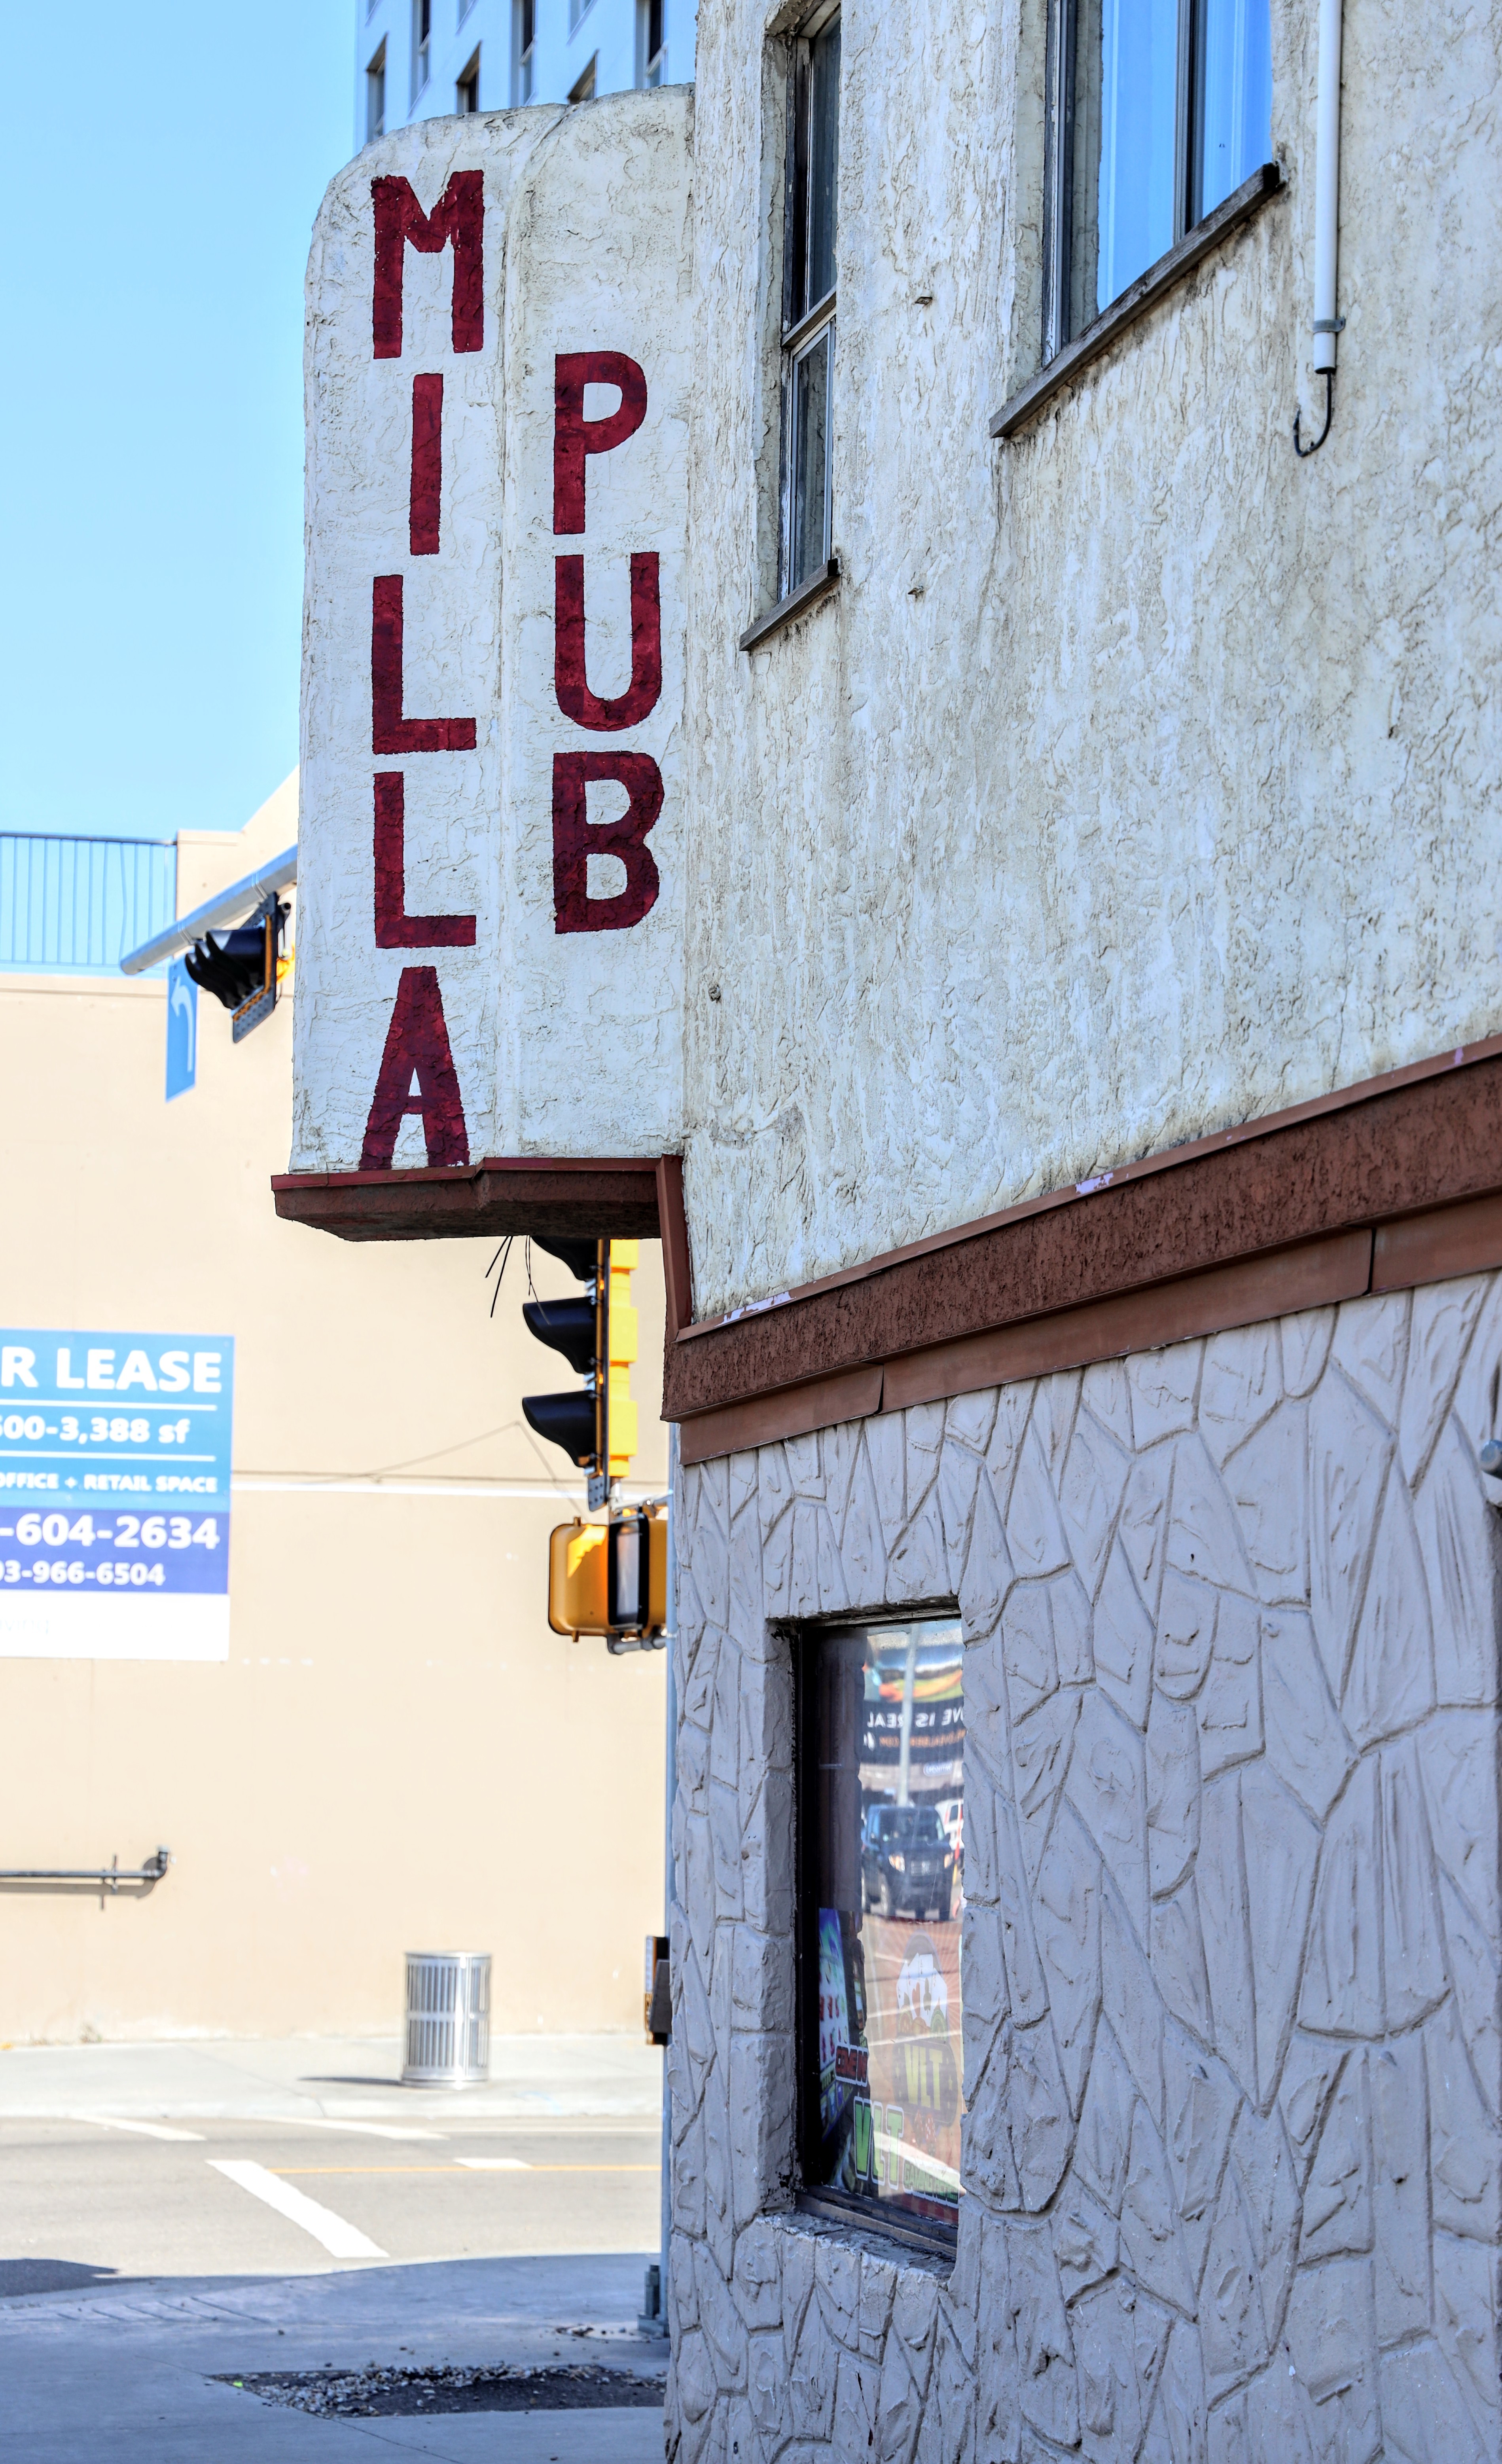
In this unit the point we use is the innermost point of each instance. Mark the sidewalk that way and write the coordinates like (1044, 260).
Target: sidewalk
(335, 2078)
(133, 2373)
(139, 2369)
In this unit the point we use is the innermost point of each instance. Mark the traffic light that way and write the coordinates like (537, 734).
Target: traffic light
(596, 1428)
(243, 968)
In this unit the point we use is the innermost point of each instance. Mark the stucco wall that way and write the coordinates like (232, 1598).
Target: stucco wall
(1139, 778)
(1233, 2065)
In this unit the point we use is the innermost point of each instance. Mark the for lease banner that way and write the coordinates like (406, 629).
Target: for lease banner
(115, 1455)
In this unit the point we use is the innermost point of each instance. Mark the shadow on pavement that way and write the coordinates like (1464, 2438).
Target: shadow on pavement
(21, 2275)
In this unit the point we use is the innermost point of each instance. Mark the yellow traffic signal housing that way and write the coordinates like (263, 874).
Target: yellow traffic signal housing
(576, 1578)
(609, 1578)
(621, 1334)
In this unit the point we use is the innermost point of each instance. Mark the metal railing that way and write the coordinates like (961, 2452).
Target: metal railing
(109, 1878)
(74, 906)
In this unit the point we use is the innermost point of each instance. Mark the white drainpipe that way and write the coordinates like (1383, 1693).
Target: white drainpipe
(1327, 186)
(1327, 215)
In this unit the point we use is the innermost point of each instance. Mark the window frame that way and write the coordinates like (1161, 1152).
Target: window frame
(1190, 216)
(466, 87)
(422, 47)
(375, 93)
(804, 323)
(523, 50)
(651, 65)
(918, 2233)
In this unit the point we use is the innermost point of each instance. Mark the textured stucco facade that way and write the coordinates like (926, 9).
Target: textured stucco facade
(1232, 1919)
(1139, 778)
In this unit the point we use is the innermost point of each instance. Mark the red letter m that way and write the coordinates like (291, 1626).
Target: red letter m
(459, 217)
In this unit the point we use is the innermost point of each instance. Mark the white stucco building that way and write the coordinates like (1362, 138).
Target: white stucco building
(418, 59)
(1056, 1037)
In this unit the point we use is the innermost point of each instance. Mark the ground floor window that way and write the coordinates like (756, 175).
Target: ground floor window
(881, 1883)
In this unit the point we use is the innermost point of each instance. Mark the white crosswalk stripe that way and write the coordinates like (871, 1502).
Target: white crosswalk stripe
(340, 2239)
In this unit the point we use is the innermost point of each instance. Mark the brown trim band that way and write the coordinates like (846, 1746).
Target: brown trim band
(1394, 1183)
(789, 1414)
(613, 1198)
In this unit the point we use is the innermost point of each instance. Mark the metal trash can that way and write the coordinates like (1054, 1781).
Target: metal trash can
(448, 2018)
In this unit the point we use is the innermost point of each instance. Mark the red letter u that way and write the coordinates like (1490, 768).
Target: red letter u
(575, 699)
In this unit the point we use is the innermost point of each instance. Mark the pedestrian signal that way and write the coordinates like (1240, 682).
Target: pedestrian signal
(637, 1572)
(611, 1578)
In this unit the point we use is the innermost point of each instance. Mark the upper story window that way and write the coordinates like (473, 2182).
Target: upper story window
(808, 302)
(467, 90)
(422, 45)
(880, 1728)
(375, 96)
(1157, 111)
(582, 88)
(523, 42)
(652, 43)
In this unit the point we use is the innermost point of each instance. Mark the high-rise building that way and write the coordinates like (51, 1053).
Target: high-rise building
(416, 59)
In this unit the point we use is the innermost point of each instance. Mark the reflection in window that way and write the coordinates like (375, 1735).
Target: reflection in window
(1233, 98)
(1157, 111)
(881, 1729)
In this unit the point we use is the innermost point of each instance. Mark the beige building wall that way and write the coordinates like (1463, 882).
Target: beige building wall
(399, 1753)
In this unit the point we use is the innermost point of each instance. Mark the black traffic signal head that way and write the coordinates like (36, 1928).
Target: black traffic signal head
(567, 1420)
(229, 965)
(241, 968)
(580, 1257)
(577, 1422)
(569, 1325)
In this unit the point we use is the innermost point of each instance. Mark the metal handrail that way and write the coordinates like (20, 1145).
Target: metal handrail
(109, 1876)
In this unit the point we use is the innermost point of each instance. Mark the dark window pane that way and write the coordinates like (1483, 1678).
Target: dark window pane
(1234, 113)
(824, 160)
(882, 1850)
(795, 301)
(809, 544)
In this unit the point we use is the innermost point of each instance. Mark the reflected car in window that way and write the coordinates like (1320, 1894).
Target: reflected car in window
(907, 1865)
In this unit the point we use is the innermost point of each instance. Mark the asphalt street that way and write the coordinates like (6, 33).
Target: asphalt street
(149, 2247)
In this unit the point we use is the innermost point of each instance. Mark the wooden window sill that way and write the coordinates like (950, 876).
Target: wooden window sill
(806, 595)
(1143, 294)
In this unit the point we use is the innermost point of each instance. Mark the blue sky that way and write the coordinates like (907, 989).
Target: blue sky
(163, 167)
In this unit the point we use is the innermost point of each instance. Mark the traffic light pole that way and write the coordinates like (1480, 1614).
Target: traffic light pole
(668, 1893)
(599, 1485)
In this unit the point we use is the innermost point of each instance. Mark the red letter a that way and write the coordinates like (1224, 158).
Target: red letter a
(416, 1047)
